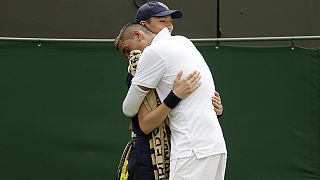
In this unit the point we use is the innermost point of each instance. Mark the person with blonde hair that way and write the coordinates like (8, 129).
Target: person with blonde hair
(143, 161)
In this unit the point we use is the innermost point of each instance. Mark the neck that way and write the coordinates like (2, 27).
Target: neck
(150, 37)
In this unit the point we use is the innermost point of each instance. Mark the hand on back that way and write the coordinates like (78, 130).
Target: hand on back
(182, 87)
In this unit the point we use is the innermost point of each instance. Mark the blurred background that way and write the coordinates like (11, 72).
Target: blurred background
(60, 102)
(202, 19)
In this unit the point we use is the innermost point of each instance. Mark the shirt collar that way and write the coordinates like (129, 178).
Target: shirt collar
(162, 34)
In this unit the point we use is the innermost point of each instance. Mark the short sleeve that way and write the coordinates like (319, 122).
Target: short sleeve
(150, 70)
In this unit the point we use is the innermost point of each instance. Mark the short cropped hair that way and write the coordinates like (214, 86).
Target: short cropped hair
(125, 32)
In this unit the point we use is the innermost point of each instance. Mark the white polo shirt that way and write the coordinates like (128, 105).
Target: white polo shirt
(193, 123)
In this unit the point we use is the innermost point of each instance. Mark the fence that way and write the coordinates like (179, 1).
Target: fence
(61, 118)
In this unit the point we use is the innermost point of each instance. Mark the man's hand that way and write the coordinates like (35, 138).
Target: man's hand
(184, 87)
(216, 101)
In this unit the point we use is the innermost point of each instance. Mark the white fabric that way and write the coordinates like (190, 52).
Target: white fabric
(193, 123)
(134, 96)
(190, 168)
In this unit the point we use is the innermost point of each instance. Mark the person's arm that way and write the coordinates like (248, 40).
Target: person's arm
(137, 93)
(151, 71)
(133, 100)
(148, 121)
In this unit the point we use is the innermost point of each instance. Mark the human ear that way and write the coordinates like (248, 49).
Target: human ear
(137, 34)
(143, 23)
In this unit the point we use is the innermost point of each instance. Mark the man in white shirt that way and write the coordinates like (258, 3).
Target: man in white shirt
(155, 16)
(198, 149)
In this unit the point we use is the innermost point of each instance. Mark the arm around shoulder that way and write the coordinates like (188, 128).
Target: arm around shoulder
(133, 100)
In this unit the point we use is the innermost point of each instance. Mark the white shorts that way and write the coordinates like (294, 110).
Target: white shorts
(190, 168)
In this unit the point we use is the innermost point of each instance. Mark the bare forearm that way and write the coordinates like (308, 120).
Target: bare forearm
(148, 121)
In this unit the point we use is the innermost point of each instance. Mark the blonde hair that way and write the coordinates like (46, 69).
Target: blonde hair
(125, 32)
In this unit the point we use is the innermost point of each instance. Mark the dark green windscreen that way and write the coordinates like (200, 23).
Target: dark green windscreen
(61, 117)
